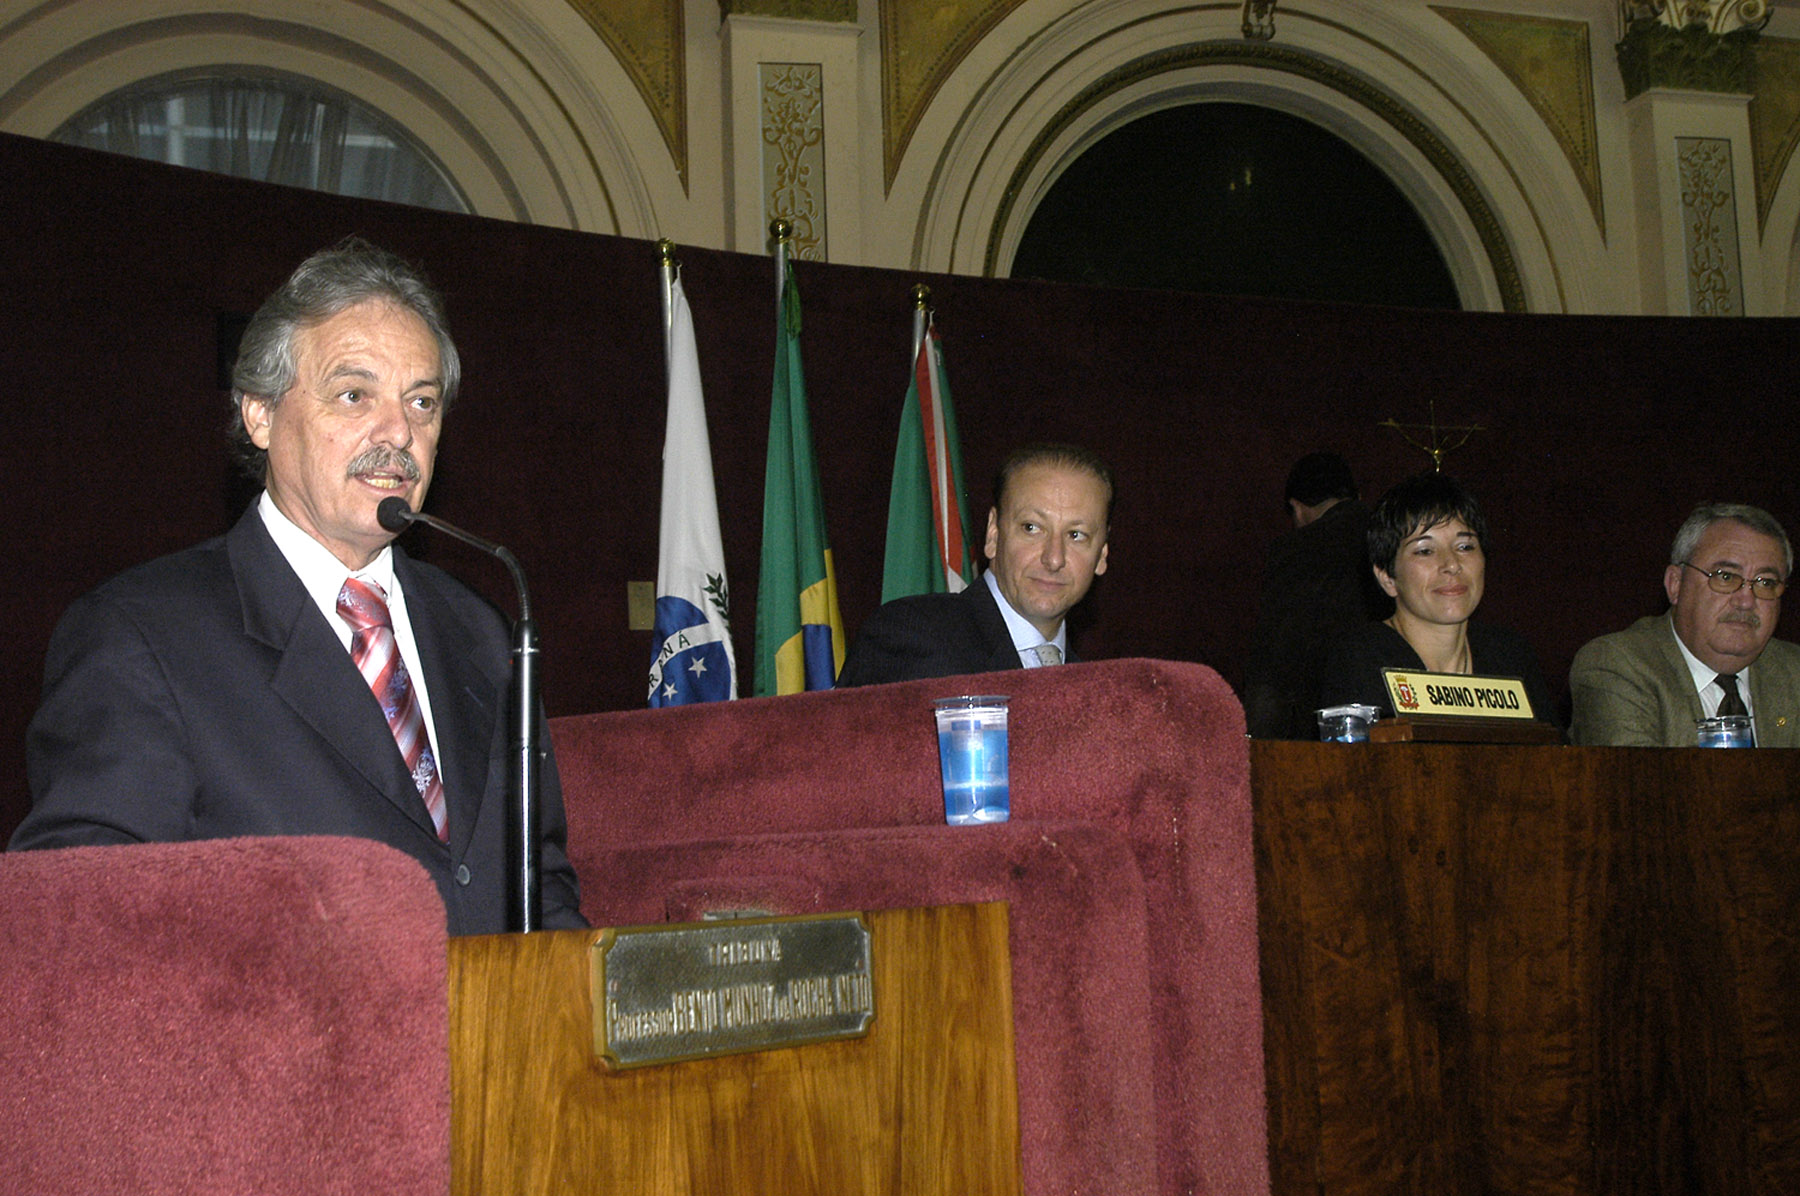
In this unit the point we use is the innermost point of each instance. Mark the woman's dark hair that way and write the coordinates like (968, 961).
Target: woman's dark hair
(1421, 501)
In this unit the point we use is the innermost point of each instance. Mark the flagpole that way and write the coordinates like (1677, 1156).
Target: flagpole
(783, 232)
(921, 296)
(693, 659)
(665, 253)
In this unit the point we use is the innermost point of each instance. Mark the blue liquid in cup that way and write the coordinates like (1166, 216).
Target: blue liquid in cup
(1346, 724)
(1726, 733)
(974, 761)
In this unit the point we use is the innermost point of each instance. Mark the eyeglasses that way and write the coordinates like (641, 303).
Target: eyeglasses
(1724, 581)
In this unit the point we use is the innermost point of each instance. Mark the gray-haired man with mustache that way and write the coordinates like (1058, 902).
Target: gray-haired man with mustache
(1712, 654)
(300, 675)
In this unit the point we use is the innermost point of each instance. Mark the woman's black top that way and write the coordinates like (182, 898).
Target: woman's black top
(1353, 666)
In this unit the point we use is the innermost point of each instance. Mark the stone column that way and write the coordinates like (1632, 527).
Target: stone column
(1688, 93)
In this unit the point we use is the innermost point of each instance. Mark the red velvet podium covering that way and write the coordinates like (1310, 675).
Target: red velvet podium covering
(221, 1018)
(1127, 864)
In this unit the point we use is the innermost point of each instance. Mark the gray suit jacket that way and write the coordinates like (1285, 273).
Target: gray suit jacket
(204, 695)
(1633, 689)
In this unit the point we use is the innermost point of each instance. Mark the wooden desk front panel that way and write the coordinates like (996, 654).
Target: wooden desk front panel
(1530, 969)
(924, 1105)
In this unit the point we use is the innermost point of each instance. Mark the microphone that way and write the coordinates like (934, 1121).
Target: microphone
(522, 775)
(394, 515)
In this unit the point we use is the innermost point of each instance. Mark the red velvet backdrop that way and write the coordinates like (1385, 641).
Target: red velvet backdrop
(116, 276)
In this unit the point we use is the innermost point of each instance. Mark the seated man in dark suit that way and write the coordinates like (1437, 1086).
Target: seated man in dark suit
(299, 675)
(1712, 654)
(1046, 542)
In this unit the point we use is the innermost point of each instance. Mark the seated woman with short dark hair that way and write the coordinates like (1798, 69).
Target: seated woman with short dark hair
(1428, 546)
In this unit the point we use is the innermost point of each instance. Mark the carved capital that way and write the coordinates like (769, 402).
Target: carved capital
(795, 10)
(1713, 16)
(1652, 54)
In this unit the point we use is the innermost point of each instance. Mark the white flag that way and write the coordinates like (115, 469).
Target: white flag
(693, 659)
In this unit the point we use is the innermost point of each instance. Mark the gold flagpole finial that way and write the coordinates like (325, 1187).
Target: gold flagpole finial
(921, 296)
(665, 251)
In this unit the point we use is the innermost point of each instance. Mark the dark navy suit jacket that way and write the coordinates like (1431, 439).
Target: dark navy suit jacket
(932, 635)
(204, 695)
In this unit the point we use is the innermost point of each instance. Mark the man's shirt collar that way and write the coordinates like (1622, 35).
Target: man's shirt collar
(320, 572)
(1025, 637)
(1704, 684)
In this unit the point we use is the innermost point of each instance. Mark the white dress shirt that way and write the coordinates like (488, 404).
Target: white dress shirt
(1707, 685)
(324, 575)
(1025, 637)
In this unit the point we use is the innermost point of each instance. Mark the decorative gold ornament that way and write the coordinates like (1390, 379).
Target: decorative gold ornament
(1710, 16)
(1259, 20)
(1439, 445)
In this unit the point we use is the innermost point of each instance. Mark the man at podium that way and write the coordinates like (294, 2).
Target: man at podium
(300, 675)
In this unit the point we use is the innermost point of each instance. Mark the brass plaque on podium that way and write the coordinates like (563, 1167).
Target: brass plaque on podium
(664, 994)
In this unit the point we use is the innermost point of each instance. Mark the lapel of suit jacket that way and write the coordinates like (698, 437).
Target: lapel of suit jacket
(466, 702)
(1002, 654)
(1675, 669)
(1774, 682)
(314, 675)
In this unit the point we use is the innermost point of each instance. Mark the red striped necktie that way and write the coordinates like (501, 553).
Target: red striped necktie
(363, 605)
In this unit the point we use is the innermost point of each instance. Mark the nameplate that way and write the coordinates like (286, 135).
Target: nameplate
(1456, 694)
(665, 994)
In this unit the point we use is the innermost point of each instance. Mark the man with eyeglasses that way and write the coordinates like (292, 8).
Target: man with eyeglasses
(1711, 655)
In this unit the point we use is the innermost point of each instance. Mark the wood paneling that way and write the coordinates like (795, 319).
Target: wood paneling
(1530, 969)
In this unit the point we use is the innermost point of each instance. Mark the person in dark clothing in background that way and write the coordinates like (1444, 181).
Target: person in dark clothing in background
(1317, 586)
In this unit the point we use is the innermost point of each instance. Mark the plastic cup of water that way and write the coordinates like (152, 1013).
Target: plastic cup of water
(1346, 724)
(1726, 731)
(972, 749)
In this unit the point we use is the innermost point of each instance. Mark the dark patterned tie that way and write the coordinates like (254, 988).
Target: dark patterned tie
(1733, 702)
(363, 605)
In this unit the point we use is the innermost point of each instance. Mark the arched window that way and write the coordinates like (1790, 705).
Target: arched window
(269, 126)
(1234, 199)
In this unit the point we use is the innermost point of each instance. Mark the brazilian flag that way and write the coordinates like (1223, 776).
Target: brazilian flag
(799, 632)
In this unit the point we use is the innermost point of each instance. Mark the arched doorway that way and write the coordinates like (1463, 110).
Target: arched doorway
(1234, 199)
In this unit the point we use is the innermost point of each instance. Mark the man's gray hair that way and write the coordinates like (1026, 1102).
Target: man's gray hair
(330, 281)
(1709, 513)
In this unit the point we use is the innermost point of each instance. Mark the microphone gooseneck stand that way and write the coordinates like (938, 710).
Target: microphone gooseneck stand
(524, 771)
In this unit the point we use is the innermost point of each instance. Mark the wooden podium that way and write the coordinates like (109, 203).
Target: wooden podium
(924, 1104)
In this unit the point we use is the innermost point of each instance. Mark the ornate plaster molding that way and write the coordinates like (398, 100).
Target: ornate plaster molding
(920, 45)
(650, 41)
(1709, 226)
(793, 159)
(1774, 117)
(1709, 16)
(1690, 58)
(1551, 64)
